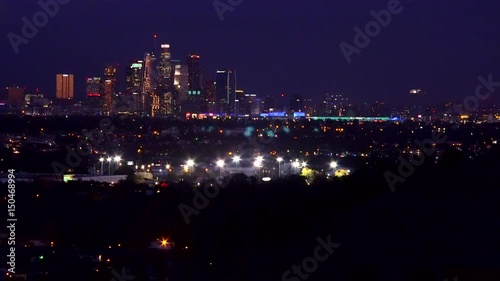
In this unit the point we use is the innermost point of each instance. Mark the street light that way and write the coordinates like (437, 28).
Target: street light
(109, 165)
(236, 160)
(220, 164)
(257, 164)
(333, 165)
(279, 166)
(167, 167)
(102, 162)
(296, 165)
(117, 160)
(190, 163)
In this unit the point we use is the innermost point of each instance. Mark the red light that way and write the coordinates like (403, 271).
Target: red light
(164, 184)
(282, 95)
(155, 35)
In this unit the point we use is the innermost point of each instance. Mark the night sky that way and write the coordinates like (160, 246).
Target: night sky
(275, 46)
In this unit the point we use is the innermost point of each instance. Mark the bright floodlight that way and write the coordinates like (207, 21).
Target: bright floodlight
(190, 163)
(236, 159)
(167, 166)
(101, 159)
(110, 159)
(280, 159)
(296, 164)
(333, 165)
(304, 164)
(220, 163)
(118, 158)
(260, 158)
(257, 163)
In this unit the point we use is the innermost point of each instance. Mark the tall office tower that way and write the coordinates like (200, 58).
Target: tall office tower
(134, 85)
(239, 97)
(165, 81)
(269, 104)
(108, 95)
(149, 83)
(296, 103)
(226, 91)
(181, 85)
(65, 86)
(111, 73)
(250, 104)
(94, 92)
(110, 83)
(209, 96)
(149, 74)
(195, 72)
(15, 96)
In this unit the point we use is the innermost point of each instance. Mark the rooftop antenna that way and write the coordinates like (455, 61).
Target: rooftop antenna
(155, 43)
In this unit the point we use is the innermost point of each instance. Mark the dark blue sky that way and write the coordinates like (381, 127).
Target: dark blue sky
(275, 46)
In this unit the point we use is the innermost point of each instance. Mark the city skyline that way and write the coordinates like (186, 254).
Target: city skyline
(291, 48)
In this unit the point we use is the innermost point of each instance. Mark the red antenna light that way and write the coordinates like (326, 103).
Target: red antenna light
(155, 35)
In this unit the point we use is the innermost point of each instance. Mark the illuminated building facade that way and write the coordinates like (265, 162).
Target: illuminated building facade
(165, 81)
(149, 84)
(94, 91)
(134, 76)
(110, 81)
(65, 86)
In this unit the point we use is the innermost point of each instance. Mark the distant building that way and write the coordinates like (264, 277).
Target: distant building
(181, 85)
(15, 96)
(333, 105)
(226, 91)
(110, 83)
(149, 84)
(209, 95)
(134, 85)
(250, 104)
(65, 86)
(296, 103)
(94, 92)
(165, 73)
(194, 72)
(269, 104)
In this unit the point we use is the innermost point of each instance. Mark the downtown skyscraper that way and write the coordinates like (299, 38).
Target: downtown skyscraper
(110, 83)
(165, 77)
(196, 94)
(150, 99)
(225, 91)
(134, 84)
(65, 87)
